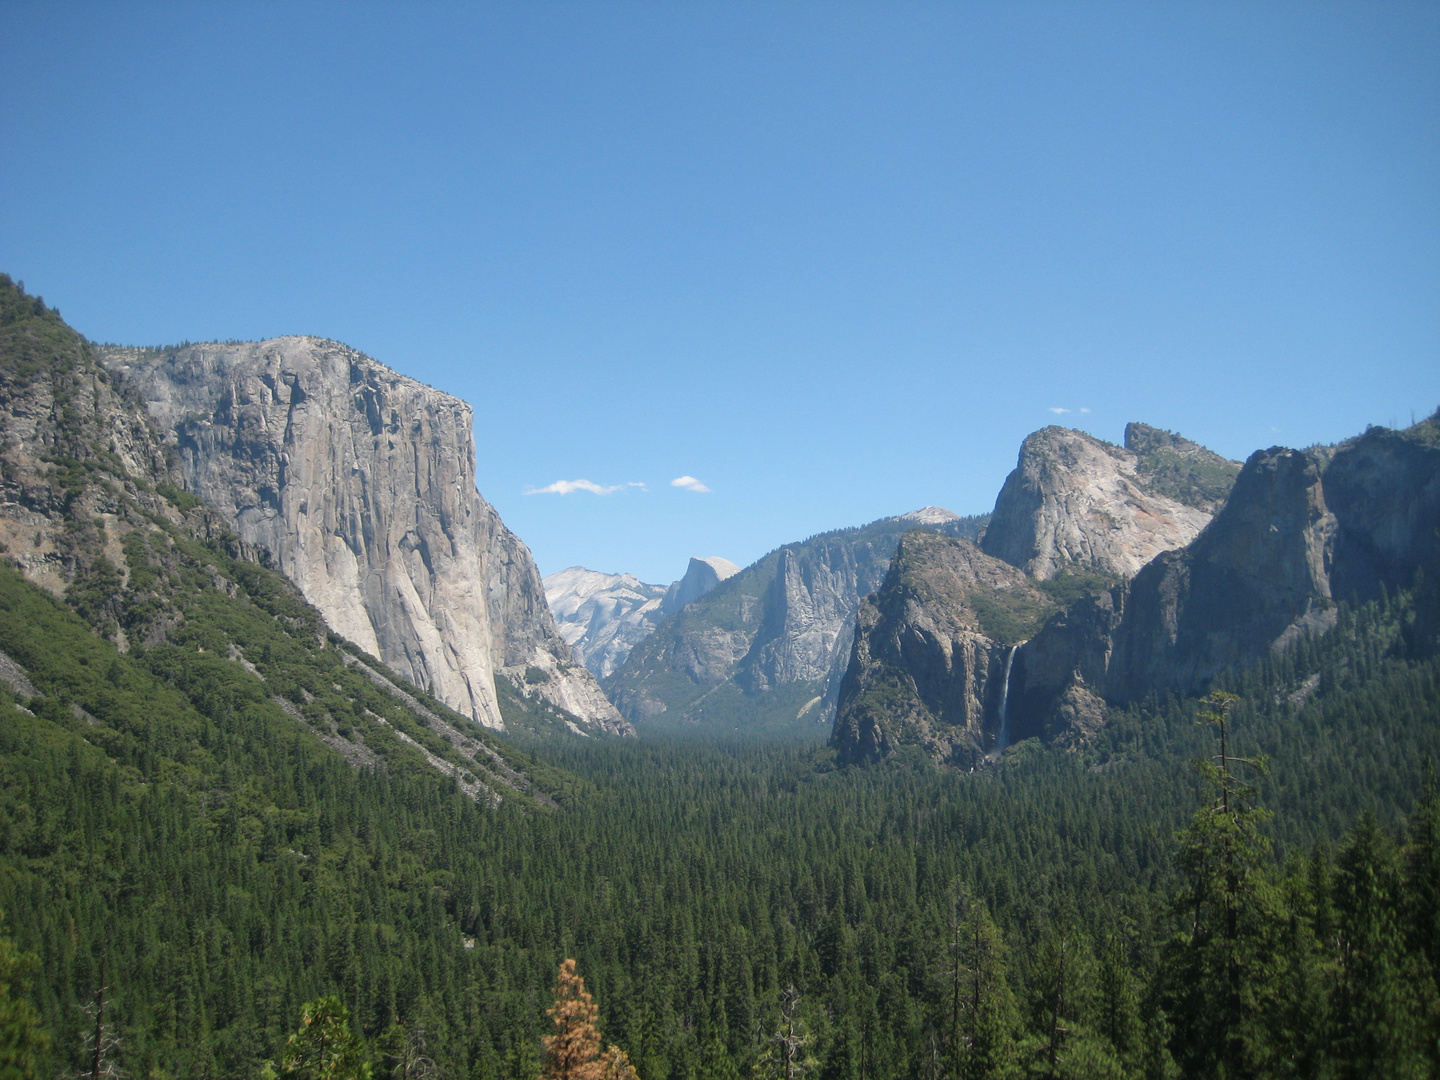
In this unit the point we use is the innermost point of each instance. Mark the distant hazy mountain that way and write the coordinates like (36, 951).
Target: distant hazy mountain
(602, 616)
(768, 644)
(701, 576)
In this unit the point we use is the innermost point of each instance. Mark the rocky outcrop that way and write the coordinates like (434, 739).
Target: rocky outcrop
(771, 642)
(701, 576)
(1299, 531)
(1384, 489)
(93, 510)
(1296, 532)
(1258, 576)
(928, 664)
(603, 616)
(1261, 568)
(1169, 464)
(1074, 501)
(361, 483)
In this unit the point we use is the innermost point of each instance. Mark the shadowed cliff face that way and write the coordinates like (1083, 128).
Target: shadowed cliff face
(1295, 536)
(929, 656)
(1384, 488)
(1075, 501)
(362, 484)
(1256, 577)
(1292, 536)
(1261, 568)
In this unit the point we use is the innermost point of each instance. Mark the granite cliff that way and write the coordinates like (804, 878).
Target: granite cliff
(92, 509)
(1075, 501)
(700, 577)
(1299, 531)
(767, 645)
(932, 647)
(361, 482)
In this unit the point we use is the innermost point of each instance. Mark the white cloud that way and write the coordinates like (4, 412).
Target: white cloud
(689, 483)
(638, 483)
(565, 487)
(1084, 410)
(1057, 410)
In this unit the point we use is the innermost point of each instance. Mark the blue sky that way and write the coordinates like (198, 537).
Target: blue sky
(830, 261)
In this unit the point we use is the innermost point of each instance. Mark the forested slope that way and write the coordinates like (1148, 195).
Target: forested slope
(694, 884)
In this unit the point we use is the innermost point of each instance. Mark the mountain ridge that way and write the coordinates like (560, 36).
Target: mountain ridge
(1297, 532)
(767, 645)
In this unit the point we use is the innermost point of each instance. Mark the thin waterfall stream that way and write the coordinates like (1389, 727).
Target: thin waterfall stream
(1002, 738)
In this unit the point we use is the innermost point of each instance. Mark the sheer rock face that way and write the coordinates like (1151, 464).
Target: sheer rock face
(1260, 569)
(1384, 488)
(602, 616)
(701, 576)
(923, 668)
(361, 483)
(1297, 531)
(1295, 535)
(1075, 500)
(1257, 577)
(64, 410)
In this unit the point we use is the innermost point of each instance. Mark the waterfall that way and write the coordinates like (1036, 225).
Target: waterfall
(1002, 738)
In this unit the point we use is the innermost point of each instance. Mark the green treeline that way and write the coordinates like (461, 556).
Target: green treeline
(1066, 914)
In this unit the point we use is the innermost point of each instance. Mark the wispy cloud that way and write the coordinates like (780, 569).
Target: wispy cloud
(565, 487)
(1057, 410)
(1084, 410)
(689, 483)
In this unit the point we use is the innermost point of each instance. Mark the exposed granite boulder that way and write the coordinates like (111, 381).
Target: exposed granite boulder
(929, 659)
(361, 482)
(1073, 500)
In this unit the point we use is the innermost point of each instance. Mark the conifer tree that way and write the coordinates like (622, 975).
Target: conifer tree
(573, 1051)
(787, 1054)
(1421, 890)
(1118, 1001)
(1379, 1011)
(21, 1037)
(983, 1011)
(323, 1047)
(1221, 968)
(1062, 1004)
